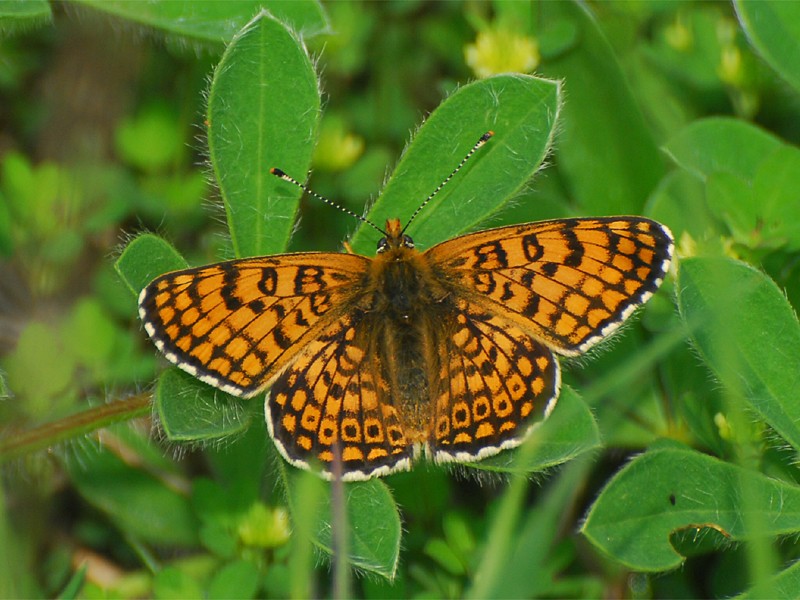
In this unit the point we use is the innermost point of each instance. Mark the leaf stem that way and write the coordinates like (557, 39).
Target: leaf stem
(50, 434)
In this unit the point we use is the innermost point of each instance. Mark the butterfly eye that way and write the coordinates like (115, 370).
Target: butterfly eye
(408, 242)
(383, 245)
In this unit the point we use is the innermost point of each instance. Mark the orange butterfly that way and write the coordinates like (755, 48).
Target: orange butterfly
(449, 352)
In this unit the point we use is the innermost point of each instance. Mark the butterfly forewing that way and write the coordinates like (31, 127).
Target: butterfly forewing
(235, 325)
(569, 282)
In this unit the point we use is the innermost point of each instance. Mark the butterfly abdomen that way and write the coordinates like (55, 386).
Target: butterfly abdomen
(405, 301)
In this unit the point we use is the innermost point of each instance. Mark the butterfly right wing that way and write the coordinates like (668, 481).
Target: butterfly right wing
(235, 325)
(568, 282)
(494, 383)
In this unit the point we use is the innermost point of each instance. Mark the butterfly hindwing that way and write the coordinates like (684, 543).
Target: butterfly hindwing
(568, 282)
(495, 382)
(335, 399)
(236, 324)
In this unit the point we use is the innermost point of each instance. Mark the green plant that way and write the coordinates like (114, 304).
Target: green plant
(716, 481)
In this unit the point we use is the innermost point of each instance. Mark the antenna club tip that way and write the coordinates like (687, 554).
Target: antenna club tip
(277, 172)
(485, 137)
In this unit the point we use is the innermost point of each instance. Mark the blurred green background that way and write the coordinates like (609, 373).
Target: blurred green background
(688, 112)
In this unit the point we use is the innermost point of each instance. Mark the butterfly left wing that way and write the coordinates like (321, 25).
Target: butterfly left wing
(494, 384)
(236, 325)
(568, 282)
(334, 399)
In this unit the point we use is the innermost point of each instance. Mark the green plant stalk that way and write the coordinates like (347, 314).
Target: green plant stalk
(47, 436)
(502, 531)
(339, 524)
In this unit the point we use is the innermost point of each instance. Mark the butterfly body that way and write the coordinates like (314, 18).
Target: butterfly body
(448, 352)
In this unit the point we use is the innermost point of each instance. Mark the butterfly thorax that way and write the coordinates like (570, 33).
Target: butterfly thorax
(401, 281)
(405, 302)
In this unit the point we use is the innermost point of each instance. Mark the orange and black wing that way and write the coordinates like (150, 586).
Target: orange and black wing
(495, 382)
(236, 325)
(334, 399)
(569, 283)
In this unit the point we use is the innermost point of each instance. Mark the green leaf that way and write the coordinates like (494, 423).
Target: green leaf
(21, 14)
(263, 110)
(773, 28)
(372, 518)
(721, 145)
(783, 585)
(670, 489)
(777, 181)
(152, 140)
(522, 112)
(190, 410)
(766, 213)
(89, 333)
(212, 20)
(605, 150)
(730, 198)
(747, 334)
(39, 368)
(569, 432)
(235, 580)
(144, 259)
(680, 200)
(140, 504)
(75, 583)
(173, 583)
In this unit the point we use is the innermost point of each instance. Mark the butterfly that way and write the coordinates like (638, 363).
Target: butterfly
(371, 362)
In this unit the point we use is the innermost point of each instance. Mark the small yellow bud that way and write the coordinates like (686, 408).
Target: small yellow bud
(501, 51)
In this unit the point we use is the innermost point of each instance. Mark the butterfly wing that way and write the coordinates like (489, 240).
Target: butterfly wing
(236, 325)
(495, 382)
(335, 399)
(569, 283)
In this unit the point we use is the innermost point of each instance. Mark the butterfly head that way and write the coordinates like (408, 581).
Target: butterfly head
(394, 237)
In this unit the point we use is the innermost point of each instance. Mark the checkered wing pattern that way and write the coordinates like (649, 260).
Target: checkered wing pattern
(569, 283)
(236, 325)
(494, 384)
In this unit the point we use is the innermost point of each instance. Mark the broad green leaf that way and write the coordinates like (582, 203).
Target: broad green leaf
(747, 334)
(721, 144)
(522, 112)
(680, 201)
(569, 432)
(213, 20)
(776, 187)
(773, 28)
(152, 140)
(173, 583)
(140, 504)
(16, 14)
(372, 519)
(730, 198)
(767, 213)
(144, 259)
(605, 150)
(238, 579)
(263, 109)
(670, 489)
(190, 410)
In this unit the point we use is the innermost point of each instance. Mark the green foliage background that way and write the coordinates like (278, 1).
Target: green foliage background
(136, 138)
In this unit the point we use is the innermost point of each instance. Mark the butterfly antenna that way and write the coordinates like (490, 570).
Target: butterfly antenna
(281, 175)
(483, 139)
